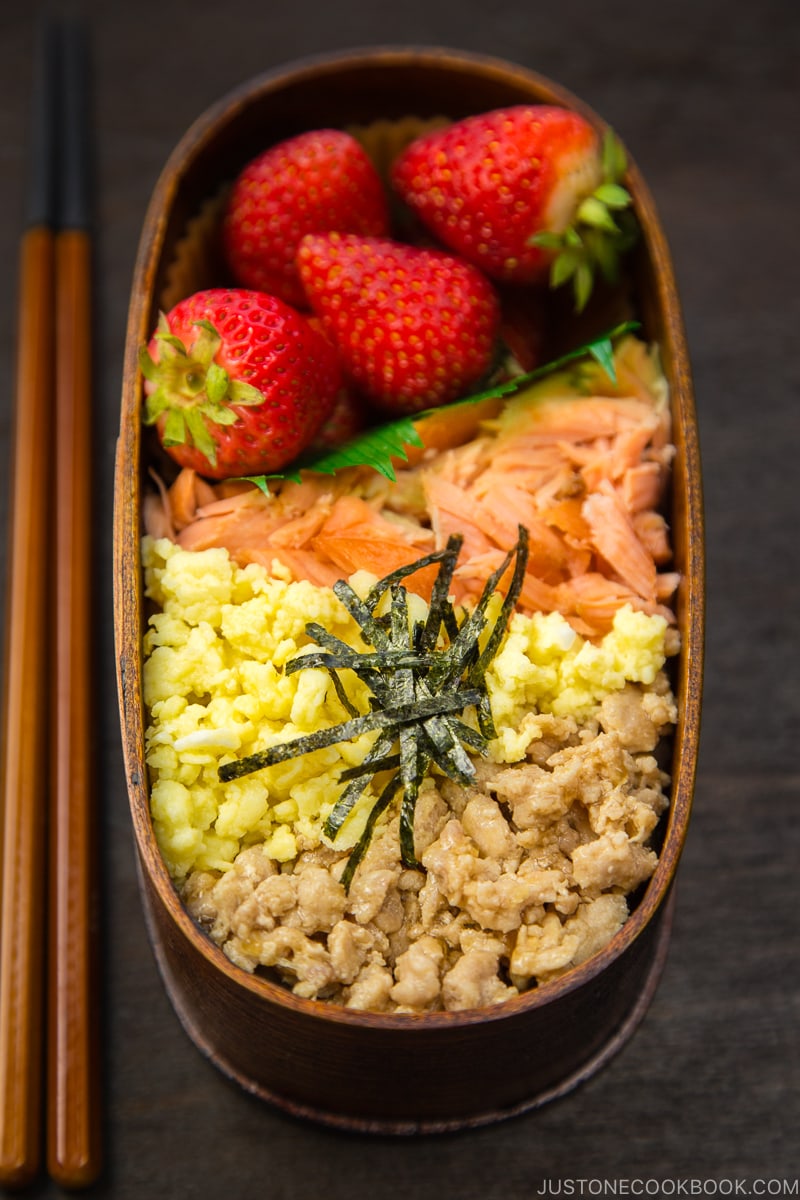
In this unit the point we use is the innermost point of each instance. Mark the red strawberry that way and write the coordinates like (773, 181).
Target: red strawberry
(520, 191)
(311, 183)
(414, 328)
(348, 419)
(237, 382)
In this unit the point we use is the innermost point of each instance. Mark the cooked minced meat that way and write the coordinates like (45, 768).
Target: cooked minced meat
(524, 875)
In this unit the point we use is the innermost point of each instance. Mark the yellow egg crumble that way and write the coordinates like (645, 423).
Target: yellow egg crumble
(215, 690)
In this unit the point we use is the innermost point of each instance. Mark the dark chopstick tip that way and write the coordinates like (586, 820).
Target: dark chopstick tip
(42, 191)
(59, 188)
(74, 202)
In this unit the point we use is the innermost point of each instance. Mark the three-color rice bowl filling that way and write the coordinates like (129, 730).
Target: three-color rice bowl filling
(407, 740)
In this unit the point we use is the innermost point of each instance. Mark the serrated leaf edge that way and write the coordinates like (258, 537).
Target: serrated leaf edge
(390, 441)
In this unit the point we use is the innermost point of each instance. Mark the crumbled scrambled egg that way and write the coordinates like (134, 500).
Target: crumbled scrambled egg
(544, 666)
(215, 690)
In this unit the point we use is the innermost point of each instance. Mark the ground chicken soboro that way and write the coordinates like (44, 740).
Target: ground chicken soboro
(524, 874)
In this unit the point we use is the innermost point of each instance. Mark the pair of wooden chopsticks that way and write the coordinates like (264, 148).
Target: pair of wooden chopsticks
(47, 923)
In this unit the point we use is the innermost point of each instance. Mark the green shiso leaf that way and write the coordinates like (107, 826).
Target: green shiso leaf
(603, 353)
(377, 447)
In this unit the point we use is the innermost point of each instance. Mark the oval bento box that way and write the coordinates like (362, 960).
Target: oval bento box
(358, 1070)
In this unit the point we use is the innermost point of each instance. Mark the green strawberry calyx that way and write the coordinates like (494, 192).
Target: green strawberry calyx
(191, 388)
(604, 227)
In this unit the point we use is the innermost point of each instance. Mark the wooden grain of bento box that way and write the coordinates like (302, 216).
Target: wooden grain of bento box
(359, 1070)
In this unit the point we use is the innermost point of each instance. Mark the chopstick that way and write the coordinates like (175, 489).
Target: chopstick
(73, 1121)
(50, 531)
(24, 714)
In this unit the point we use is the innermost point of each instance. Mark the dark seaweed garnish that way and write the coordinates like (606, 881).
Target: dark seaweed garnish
(420, 678)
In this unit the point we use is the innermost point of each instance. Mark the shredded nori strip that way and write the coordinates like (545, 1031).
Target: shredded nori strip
(381, 718)
(359, 850)
(357, 786)
(368, 767)
(420, 678)
(441, 612)
(387, 662)
(372, 631)
(476, 675)
(384, 585)
(341, 694)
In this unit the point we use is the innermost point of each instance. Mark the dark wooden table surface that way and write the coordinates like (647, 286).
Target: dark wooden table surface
(706, 95)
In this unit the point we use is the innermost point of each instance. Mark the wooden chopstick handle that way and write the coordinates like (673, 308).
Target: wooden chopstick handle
(73, 1141)
(25, 724)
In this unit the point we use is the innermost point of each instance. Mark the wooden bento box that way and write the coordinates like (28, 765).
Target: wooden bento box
(374, 1071)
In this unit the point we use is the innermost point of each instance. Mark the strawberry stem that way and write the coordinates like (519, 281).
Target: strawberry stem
(595, 240)
(191, 388)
